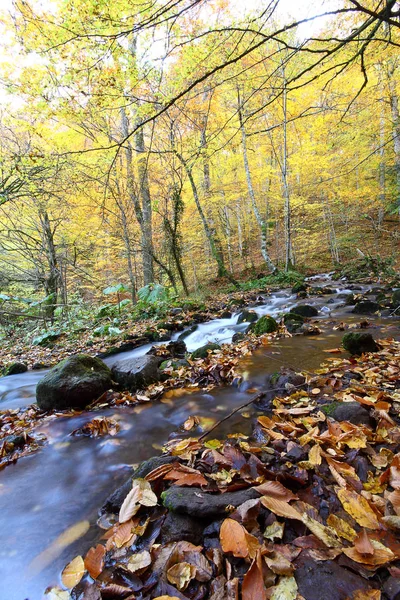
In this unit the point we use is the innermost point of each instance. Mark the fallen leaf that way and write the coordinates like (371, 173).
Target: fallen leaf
(358, 507)
(138, 561)
(233, 538)
(253, 587)
(274, 489)
(279, 564)
(181, 574)
(285, 590)
(73, 572)
(280, 508)
(362, 543)
(140, 494)
(342, 528)
(367, 595)
(94, 560)
(381, 555)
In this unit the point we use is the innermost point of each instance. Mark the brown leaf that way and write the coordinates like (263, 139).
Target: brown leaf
(73, 572)
(253, 587)
(94, 560)
(381, 555)
(279, 564)
(140, 494)
(181, 574)
(280, 508)
(188, 479)
(139, 561)
(362, 543)
(274, 489)
(160, 471)
(233, 538)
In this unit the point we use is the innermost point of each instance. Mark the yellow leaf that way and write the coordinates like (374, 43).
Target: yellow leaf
(358, 507)
(140, 494)
(342, 528)
(325, 534)
(281, 508)
(139, 561)
(314, 456)
(285, 590)
(181, 574)
(73, 572)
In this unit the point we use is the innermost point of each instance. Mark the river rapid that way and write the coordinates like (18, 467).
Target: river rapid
(52, 497)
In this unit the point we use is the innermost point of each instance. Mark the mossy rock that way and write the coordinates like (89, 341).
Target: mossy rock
(366, 307)
(305, 310)
(358, 343)
(396, 298)
(73, 383)
(247, 316)
(294, 317)
(175, 364)
(15, 368)
(265, 324)
(202, 352)
(299, 287)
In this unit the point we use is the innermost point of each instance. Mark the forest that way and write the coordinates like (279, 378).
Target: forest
(200, 299)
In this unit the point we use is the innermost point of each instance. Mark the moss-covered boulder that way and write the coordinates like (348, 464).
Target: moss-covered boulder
(293, 322)
(137, 372)
(265, 324)
(299, 287)
(15, 368)
(247, 316)
(305, 310)
(73, 383)
(202, 352)
(357, 343)
(366, 307)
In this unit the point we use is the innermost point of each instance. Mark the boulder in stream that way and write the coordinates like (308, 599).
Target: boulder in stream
(202, 505)
(15, 368)
(73, 383)
(305, 310)
(247, 316)
(358, 343)
(366, 307)
(293, 322)
(265, 324)
(396, 298)
(136, 373)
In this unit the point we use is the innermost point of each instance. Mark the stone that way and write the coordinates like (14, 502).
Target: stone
(176, 311)
(188, 332)
(15, 368)
(358, 343)
(299, 287)
(39, 365)
(238, 337)
(326, 580)
(203, 505)
(396, 298)
(114, 502)
(73, 383)
(305, 310)
(307, 329)
(391, 587)
(366, 307)
(350, 300)
(226, 314)
(293, 322)
(347, 411)
(177, 527)
(136, 373)
(175, 364)
(265, 324)
(202, 352)
(247, 316)
(177, 349)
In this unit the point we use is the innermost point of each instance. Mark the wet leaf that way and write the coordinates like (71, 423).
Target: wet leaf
(285, 590)
(73, 572)
(57, 593)
(140, 494)
(139, 561)
(358, 507)
(94, 560)
(181, 574)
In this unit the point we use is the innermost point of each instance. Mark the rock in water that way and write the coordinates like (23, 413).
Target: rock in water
(366, 307)
(305, 310)
(136, 373)
(396, 298)
(73, 383)
(247, 316)
(265, 324)
(202, 352)
(15, 369)
(357, 343)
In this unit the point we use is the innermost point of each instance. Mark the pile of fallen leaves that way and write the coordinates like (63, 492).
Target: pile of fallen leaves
(306, 508)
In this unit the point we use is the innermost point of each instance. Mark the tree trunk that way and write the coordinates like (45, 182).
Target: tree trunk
(52, 281)
(144, 192)
(257, 214)
(287, 209)
(394, 106)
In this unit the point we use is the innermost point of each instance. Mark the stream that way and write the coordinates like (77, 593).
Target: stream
(50, 499)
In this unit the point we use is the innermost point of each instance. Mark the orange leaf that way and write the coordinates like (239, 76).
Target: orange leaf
(253, 587)
(189, 479)
(280, 508)
(362, 543)
(94, 560)
(274, 489)
(233, 538)
(73, 572)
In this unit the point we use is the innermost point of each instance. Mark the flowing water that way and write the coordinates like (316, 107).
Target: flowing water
(51, 498)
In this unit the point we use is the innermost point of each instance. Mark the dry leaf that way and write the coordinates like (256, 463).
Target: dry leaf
(73, 572)
(233, 538)
(362, 543)
(139, 561)
(253, 587)
(140, 494)
(342, 528)
(94, 560)
(280, 508)
(274, 489)
(285, 590)
(381, 555)
(181, 574)
(358, 507)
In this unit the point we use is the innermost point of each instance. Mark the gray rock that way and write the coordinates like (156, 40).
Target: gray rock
(203, 505)
(326, 580)
(366, 307)
(115, 500)
(176, 311)
(136, 373)
(347, 411)
(247, 316)
(391, 587)
(396, 298)
(238, 337)
(188, 332)
(177, 527)
(305, 310)
(177, 349)
(15, 369)
(357, 343)
(73, 383)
